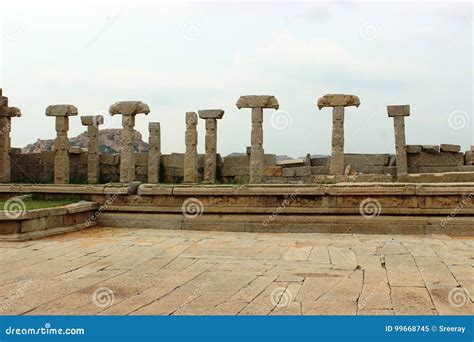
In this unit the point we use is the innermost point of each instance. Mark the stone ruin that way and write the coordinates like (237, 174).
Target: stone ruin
(410, 163)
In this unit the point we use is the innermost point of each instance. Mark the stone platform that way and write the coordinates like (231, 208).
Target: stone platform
(113, 271)
(382, 208)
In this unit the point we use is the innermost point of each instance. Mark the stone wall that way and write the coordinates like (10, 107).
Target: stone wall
(39, 167)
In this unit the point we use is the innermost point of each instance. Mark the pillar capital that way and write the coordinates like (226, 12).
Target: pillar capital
(129, 108)
(338, 100)
(398, 110)
(92, 120)
(257, 101)
(61, 110)
(211, 114)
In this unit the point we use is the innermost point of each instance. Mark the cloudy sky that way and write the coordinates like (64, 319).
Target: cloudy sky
(190, 56)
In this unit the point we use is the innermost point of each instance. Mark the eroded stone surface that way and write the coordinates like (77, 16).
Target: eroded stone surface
(257, 101)
(336, 100)
(160, 272)
(129, 108)
(61, 110)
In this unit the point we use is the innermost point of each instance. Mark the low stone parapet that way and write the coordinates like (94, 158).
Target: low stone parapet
(31, 224)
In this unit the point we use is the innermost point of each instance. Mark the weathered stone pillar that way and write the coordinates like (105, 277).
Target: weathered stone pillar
(191, 155)
(398, 114)
(154, 154)
(93, 144)
(338, 102)
(210, 162)
(257, 103)
(61, 112)
(128, 110)
(6, 114)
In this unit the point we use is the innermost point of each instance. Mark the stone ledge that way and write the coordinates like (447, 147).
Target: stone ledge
(65, 189)
(349, 224)
(45, 222)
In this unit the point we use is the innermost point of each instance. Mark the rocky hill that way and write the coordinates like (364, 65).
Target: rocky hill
(109, 142)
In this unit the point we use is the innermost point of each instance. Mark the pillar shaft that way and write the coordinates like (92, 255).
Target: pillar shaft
(61, 149)
(5, 128)
(154, 154)
(400, 145)
(93, 162)
(256, 149)
(210, 162)
(127, 155)
(191, 155)
(337, 153)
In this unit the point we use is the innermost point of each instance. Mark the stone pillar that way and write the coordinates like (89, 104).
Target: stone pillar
(191, 155)
(154, 154)
(128, 110)
(61, 112)
(6, 113)
(93, 144)
(398, 114)
(338, 102)
(257, 103)
(210, 162)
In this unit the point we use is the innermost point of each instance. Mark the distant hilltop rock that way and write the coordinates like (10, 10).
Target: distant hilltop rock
(109, 142)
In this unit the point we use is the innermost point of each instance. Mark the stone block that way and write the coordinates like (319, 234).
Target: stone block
(109, 159)
(414, 148)
(141, 159)
(61, 110)
(438, 159)
(289, 172)
(174, 160)
(129, 108)
(211, 114)
(235, 171)
(303, 171)
(75, 150)
(320, 161)
(366, 159)
(403, 110)
(336, 100)
(92, 120)
(469, 158)
(142, 170)
(450, 148)
(431, 148)
(257, 101)
(272, 171)
(320, 170)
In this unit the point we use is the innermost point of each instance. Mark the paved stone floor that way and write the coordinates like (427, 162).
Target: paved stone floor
(160, 272)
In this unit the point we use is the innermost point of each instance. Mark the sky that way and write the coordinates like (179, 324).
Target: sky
(180, 57)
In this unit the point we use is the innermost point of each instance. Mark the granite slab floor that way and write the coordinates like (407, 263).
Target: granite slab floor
(117, 271)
